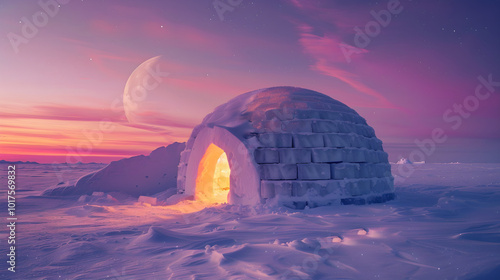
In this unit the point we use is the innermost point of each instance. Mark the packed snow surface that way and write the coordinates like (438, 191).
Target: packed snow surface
(444, 224)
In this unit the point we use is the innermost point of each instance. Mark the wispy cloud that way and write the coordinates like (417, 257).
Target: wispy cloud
(324, 47)
(151, 121)
(64, 113)
(35, 150)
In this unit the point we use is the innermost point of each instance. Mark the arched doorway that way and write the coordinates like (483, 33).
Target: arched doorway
(213, 178)
(198, 162)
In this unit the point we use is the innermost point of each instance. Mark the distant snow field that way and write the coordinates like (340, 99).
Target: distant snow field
(443, 224)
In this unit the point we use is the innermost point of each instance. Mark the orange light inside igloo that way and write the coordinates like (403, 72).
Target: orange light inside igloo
(212, 182)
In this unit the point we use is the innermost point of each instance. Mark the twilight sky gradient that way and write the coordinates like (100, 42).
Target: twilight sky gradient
(67, 79)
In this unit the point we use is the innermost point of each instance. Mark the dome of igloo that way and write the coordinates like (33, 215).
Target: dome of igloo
(306, 148)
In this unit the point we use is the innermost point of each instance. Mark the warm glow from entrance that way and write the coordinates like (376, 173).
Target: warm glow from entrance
(212, 183)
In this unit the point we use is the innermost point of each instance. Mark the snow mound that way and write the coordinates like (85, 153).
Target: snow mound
(67, 254)
(407, 161)
(98, 198)
(404, 161)
(135, 176)
(160, 235)
(87, 210)
(163, 236)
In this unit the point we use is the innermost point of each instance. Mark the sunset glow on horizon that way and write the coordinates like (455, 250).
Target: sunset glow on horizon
(63, 85)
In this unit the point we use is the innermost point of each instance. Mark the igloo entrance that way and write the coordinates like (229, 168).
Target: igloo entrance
(212, 181)
(217, 149)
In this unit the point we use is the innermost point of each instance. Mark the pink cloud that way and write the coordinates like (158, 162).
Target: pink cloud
(148, 25)
(331, 61)
(154, 119)
(153, 122)
(53, 135)
(65, 113)
(68, 150)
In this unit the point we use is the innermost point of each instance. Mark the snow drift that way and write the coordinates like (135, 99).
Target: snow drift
(408, 161)
(135, 176)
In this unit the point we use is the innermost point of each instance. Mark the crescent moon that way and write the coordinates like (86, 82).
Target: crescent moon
(135, 91)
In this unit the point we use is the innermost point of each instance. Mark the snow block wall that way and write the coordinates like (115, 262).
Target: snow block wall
(301, 148)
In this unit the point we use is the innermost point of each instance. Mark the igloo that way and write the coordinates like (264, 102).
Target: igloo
(285, 145)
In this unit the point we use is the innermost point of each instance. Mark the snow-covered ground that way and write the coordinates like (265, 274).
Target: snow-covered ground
(444, 224)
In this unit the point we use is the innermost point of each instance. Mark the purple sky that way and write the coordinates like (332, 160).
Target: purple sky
(60, 82)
